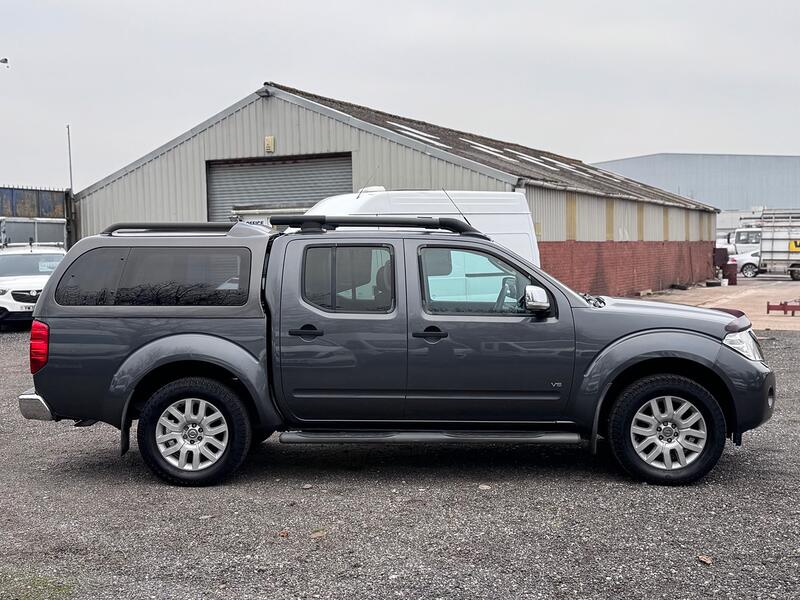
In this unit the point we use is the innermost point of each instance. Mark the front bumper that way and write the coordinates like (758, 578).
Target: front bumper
(11, 310)
(33, 406)
(753, 390)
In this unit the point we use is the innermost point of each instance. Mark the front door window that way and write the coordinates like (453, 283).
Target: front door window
(459, 281)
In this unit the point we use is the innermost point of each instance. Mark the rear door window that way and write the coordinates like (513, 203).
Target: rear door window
(349, 278)
(185, 277)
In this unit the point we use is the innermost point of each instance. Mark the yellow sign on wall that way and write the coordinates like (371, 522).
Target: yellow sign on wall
(794, 245)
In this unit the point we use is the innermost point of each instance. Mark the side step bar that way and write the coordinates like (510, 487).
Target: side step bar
(453, 437)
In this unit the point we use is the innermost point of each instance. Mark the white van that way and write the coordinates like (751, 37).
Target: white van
(504, 216)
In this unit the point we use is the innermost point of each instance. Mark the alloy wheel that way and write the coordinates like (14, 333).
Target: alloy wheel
(668, 432)
(191, 434)
(749, 270)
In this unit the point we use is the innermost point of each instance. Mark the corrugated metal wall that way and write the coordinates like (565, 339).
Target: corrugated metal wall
(727, 181)
(560, 215)
(171, 186)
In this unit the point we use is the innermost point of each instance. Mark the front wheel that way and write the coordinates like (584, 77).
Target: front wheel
(667, 429)
(795, 272)
(194, 431)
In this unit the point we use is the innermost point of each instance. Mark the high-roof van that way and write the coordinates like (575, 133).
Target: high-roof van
(504, 217)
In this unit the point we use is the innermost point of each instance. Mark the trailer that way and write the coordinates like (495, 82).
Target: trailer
(780, 242)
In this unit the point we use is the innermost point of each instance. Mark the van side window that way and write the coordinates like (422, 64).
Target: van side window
(92, 278)
(459, 281)
(748, 237)
(185, 277)
(349, 278)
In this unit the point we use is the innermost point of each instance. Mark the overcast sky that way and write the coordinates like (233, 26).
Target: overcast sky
(592, 80)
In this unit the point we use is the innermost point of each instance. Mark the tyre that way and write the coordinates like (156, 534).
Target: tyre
(795, 273)
(667, 429)
(194, 431)
(750, 270)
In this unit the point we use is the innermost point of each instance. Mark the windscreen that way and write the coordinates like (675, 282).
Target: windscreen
(16, 265)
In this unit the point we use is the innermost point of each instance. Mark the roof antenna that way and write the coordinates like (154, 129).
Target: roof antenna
(371, 177)
(456, 207)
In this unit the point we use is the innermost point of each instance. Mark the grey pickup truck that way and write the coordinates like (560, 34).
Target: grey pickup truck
(376, 330)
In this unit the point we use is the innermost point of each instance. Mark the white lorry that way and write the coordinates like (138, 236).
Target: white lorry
(742, 240)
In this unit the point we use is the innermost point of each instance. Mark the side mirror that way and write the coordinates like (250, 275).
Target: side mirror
(536, 299)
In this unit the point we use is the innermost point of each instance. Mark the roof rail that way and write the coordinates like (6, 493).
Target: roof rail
(198, 227)
(316, 223)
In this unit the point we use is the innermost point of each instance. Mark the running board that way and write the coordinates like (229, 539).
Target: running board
(452, 437)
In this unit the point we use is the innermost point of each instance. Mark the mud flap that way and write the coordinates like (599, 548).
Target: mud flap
(125, 438)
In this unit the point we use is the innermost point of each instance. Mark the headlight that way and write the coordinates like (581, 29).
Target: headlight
(744, 342)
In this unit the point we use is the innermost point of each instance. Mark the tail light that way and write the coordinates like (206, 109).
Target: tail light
(40, 345)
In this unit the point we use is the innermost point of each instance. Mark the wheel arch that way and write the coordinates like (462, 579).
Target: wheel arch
(174, 357)
(172, 371)
(685, 367)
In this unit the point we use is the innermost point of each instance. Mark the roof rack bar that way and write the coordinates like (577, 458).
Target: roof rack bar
(310, 223)
(201, 227)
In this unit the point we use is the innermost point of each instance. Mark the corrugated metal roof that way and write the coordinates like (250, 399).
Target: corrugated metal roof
(517, 165)
(537, 167)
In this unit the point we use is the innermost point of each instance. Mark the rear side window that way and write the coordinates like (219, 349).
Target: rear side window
(92, 278)
(349, 278)
(157, 277)
(185, 277)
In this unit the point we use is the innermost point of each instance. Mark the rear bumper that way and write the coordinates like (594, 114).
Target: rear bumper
(33, 406)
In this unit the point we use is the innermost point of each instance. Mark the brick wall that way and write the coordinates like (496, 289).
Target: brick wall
(624, 268)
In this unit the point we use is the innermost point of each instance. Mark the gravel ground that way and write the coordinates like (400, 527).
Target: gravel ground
(435, 521)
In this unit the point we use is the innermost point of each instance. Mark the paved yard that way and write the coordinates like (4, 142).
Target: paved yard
(750, 295)
(394, 522)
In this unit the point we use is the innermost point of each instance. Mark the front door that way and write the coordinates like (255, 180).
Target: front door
(476, 354)
(343, 331)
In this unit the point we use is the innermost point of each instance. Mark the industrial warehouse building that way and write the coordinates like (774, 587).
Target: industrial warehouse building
(741, 185)
(283, 149)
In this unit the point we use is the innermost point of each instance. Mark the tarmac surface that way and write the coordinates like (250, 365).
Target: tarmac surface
(427, 521)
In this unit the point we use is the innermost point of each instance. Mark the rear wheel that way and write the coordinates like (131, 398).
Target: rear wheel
(795, 272)
(667, 429)
(194, 431)
(750, 270)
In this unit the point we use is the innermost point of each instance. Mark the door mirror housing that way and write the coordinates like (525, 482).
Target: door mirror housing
(536, 299)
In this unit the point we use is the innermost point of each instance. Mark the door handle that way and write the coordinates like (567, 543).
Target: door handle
(307, 331)
(431, 333)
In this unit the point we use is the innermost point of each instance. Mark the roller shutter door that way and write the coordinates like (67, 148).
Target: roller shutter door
(276, 183)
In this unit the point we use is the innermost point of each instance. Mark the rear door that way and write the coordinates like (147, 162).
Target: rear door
(343, 330)
(476, 355)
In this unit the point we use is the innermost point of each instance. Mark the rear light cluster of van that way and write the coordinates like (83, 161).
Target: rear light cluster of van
(40, 345)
